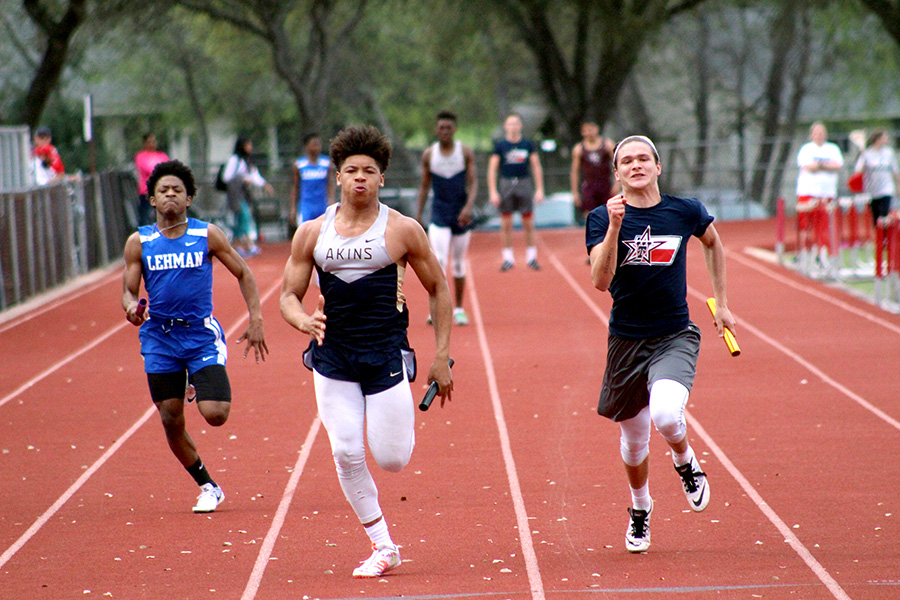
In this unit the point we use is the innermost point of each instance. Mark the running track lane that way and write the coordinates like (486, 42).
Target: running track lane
(797, 443)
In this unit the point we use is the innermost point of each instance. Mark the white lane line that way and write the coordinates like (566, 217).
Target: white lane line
(833, 586)
(36, 526)
(755, 496)
(812, 291)
(265, 552)
(528, 554)
(59, 364)
(812, 368)
(28, 310)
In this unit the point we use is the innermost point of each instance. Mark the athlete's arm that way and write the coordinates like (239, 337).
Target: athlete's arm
(714, 253)
(131, 279)
(295, 282)
(424, 184)
(538, 174)
(493, 168)
(465, 215)
(221, 249)
(427, 268)
(605, 254)
(575, 175)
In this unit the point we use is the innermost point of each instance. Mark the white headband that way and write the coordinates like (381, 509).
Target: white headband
(634, 138)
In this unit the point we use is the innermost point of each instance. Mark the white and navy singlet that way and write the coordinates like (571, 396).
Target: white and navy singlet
(448, 182)
(364, 304)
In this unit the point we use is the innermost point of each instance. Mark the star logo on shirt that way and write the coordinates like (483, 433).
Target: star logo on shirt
(640, 248)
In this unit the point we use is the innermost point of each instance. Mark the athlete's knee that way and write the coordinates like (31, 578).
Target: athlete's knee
(215, 412)
(459, 269)
(393, 462)
(634, 451)
(667, 401)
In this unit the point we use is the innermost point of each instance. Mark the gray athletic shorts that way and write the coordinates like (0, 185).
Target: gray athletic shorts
(516, 195)
(633, 365)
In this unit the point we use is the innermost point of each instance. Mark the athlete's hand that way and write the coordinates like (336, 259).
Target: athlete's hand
(133, 317)
(494, 197)
(314, 324)
(256, 339)
(615, 208)
(538, 197)
(440, 372)
(576, 199)
(465, 216)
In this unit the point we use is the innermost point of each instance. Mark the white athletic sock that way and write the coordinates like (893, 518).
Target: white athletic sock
(530, 253)
(683, 459)
(508, 255)
(640, 498)
(378, 533)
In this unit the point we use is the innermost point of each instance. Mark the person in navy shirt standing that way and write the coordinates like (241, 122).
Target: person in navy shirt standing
(516, 184)
(638, 248)
(181, 341)
(358, 351)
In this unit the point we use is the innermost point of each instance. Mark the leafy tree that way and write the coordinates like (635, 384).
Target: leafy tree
(585, 50)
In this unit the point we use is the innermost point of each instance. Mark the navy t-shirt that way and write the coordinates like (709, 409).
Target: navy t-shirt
(649, 289)
(514, 157)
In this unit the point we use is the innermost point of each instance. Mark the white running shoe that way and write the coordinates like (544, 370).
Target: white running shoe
(637, 536)
(210, 497)
(460, 317)
(381, 561)
(696, 488)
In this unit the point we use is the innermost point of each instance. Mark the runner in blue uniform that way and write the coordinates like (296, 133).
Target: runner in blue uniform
(181, 341)
(361, 361)
(638, 249)
(448, 167)
(313, 182)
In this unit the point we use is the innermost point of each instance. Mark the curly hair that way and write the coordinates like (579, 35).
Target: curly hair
(176, 168)
(367, 141)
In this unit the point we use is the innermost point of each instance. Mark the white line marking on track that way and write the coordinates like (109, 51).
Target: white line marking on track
(36, 526)
(757, 498)
(528, 554)
(58, 365)
(813, 369)
(833, 586)
(23, 539)
(28, 310)
(265, 552)
(812, 291)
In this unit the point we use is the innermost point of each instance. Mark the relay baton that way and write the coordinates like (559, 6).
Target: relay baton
(430, 393)
(141, 307)
(730, 340)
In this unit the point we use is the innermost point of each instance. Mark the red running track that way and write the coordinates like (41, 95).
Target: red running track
(515, 490)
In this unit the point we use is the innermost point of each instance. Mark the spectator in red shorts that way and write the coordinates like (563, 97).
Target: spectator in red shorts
(819, 162)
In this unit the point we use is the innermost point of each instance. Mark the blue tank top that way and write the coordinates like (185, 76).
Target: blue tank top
(362, 286)
(313, 187)
(178, 272)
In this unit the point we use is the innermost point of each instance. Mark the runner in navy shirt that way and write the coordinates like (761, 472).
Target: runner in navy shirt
(637, 245)
(361, 361)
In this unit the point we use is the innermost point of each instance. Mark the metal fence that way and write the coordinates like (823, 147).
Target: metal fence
(51, 234)
(15, 148)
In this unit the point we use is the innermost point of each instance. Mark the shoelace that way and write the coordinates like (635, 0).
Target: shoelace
(689, 477)
(638, 523)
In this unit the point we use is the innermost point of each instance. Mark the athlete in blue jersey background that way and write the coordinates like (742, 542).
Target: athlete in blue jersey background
(448, 167)
(638, 245)
(181, 341)
(359, 354)
(312, 188)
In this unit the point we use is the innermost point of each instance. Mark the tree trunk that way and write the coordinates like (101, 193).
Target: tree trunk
(59, 35)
